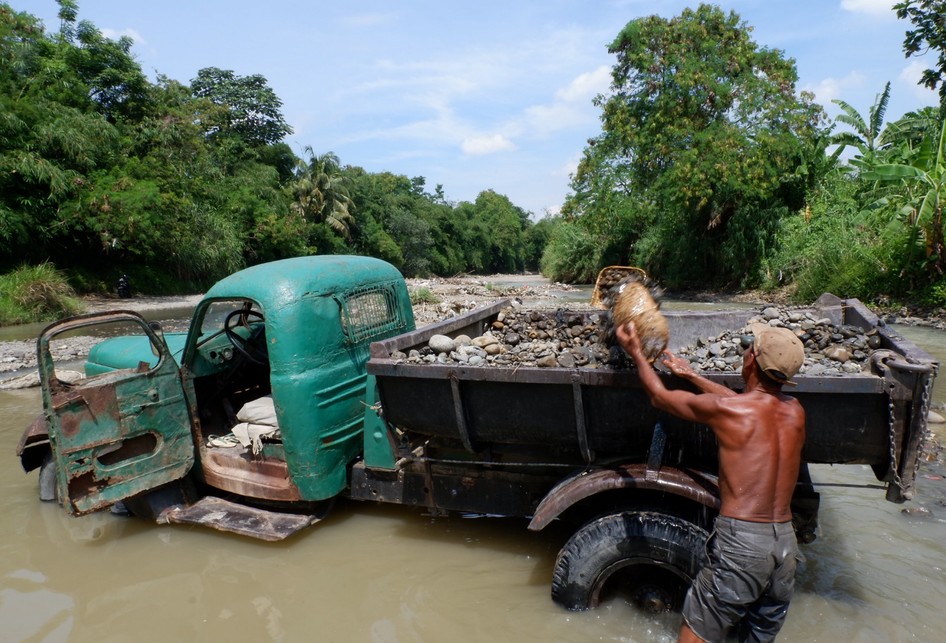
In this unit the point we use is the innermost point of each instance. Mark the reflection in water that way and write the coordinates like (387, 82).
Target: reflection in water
(390, 574)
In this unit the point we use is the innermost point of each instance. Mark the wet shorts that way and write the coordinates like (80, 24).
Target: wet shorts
(748, 581)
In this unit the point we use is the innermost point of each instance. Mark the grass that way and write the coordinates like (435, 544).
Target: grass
(35, 294)
(423, 296)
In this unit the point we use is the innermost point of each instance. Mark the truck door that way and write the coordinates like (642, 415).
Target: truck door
(118, 434)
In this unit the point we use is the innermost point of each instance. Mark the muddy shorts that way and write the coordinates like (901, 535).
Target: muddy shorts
(747, 583)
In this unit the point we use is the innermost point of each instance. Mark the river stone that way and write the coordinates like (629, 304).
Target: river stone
(484, 340)
(838, 353)
(548, 361)
(566, 360)
(551, 338)
(441, 344)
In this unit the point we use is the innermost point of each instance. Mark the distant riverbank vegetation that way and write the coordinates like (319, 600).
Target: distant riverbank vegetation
(718, 175)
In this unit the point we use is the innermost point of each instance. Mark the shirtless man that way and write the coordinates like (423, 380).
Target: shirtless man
(750, 576)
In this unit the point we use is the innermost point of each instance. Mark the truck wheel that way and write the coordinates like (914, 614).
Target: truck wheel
(652, 555)
(47, 479)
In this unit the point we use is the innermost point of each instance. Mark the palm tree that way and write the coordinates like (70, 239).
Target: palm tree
(320, 193)
(868, 136)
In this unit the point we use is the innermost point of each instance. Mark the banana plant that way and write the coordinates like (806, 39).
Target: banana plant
(923, 182)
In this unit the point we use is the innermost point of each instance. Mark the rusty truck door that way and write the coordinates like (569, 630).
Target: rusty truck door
(119, 434)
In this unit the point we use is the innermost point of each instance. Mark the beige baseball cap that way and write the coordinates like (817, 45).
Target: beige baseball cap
(778, 352)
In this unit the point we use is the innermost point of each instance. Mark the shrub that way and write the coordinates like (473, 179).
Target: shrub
(423, 296)
(573, 255)
(36, 293)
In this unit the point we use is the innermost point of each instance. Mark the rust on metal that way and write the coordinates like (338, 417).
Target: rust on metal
(28, 449)
(235, 469)
(93, 404)
(231, 517)
(691, 485)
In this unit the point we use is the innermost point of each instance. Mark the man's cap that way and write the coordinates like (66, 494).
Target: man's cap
(778, 352)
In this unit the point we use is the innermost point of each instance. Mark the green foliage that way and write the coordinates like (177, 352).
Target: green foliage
(929, 33)
(935, 295)
(705, 145)
(35, 293)
(828, 248)
(868, 134)
(423, 296)
(250, 106)
(320, 193)
(573, 255)
(536, 238)
(920, 185)
(178, 185)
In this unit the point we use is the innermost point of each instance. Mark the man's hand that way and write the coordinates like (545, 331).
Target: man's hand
(682, 368)
(629, 340)
(678, 366)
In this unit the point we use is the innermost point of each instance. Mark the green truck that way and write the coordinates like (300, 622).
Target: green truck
(290, 390)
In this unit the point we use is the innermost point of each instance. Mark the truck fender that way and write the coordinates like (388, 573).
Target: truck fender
(34, 444)
(692, 485)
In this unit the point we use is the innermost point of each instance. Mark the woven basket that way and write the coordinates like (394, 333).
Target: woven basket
(634, 302)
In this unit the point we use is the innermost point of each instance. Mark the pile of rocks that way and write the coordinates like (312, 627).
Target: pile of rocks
(829, 349)
(519, 337)
(570, 339)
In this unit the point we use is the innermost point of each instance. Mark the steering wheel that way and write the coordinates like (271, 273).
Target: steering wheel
(253, 347)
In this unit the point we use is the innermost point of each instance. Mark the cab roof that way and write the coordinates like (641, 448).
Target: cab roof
(281, 283)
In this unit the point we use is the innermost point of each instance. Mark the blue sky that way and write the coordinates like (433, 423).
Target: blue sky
(477, 95)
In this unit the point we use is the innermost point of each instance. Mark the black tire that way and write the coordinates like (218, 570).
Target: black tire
(653, 555)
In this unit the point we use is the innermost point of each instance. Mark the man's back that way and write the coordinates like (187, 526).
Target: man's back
(760, 436)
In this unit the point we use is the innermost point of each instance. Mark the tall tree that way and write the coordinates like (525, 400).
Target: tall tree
(928, 33)
(320, 192)
(704, 132)
(251, 109)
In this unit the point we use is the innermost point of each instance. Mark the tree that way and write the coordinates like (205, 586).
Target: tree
(250, 106)
(922, 183)
(320, 192)
(929, 33)
(52, 136)
(705, 139)
(504, 227)
(868, 135)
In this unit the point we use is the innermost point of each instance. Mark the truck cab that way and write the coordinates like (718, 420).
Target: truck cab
(277, 351)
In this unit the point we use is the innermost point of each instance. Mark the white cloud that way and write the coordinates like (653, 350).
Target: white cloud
(114, 34)
(480, 145)
(830, 88)
(911, 76)
(571, 107)
(586, 86)
(872, 7)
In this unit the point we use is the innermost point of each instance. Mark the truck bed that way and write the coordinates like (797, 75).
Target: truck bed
(598, 415)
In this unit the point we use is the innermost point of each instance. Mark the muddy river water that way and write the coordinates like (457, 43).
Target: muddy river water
(386, 574)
